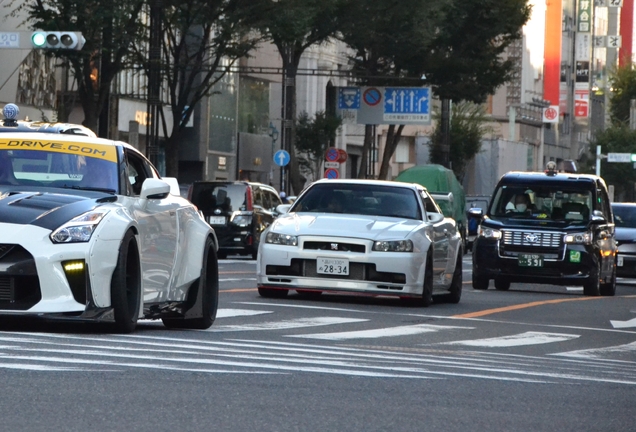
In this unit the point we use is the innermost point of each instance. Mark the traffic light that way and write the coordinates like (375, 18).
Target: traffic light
(633, 157)
(58, 40)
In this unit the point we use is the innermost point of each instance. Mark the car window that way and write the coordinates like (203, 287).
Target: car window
(563, 204)
(429, 203)
(359, 199)
(624, 215)
(227, 197)
(137, 172)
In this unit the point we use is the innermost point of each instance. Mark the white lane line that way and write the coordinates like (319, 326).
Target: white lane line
(527, 338)
(286, 324)
(599, 353)
(300, 306)
(378, 333)
(229, 313)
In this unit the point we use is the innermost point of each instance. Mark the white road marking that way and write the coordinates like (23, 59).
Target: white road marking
(286, 324)
(623, 324)
(229, 313)
(598, 353)
(378, 333)
(236, 279)
(527, 338)
(287, 305)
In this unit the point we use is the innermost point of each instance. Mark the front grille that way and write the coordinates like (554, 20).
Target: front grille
(334, 246)
(19, 284)
(357, 271)
(533, 239)
(549, 244)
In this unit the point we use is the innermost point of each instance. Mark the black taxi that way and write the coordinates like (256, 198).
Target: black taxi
(547, 228)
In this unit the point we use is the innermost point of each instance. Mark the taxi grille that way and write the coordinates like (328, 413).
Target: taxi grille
(549, 244)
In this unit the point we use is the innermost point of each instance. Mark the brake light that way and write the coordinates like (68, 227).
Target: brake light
(248, 194)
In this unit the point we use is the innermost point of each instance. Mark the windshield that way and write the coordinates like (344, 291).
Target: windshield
(66, 167)
(361, 199)
(225, 196)
(546, 203)
(625, 215)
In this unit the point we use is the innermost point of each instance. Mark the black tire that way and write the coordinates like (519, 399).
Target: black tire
(254, 253)
(592, 287)
(125, 285)
(272, 292)
(502, 284)
(609, 289)
(222, 255)
(427, 291)
(480, 282)
(455, 290)
(204, 292)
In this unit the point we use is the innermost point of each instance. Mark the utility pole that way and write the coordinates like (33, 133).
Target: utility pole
(154, 82)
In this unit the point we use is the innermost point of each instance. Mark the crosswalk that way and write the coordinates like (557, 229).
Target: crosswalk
(320, 345)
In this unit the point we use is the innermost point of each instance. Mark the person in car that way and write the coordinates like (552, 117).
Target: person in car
(98, 173)
(520, 204)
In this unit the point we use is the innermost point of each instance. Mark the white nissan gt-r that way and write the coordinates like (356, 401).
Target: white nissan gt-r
(90, 231)
(362, 236)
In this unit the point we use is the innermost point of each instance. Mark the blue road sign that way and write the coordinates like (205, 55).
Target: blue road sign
(332, 173)
(281, 158)
(349, 98)
(407, 100)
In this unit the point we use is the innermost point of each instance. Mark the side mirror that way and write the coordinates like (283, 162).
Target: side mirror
(476, 212)
(597, 217)
(153, 188)
(435, 217)
(282, 208)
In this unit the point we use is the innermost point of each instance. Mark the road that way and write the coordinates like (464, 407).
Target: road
(534, 358)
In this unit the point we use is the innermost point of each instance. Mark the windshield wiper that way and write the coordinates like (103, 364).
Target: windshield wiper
(90, 188)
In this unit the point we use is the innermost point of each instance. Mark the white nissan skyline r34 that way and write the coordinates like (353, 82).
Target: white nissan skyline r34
(90, 231)
(367, 237)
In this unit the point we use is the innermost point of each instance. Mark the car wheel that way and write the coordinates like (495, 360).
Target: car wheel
(427, 290)
(455, 290)
(609, 289)
(592, 287)
(222, 255)
(125, 286)
(203, 294)
(480, 282)
(272, 292)
(502, 284)
(255, 252)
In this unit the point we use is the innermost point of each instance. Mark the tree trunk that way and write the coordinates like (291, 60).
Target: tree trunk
(366, 150)
(172, 154)
(392, 140)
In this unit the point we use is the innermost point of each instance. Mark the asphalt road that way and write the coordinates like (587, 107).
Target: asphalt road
(535, 358)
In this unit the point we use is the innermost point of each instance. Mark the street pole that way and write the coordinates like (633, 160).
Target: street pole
(598, 160)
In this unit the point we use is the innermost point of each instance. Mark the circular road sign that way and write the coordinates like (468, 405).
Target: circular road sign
(332, 154)
(342, 156)
(372, 96)
(331, 173)
(551, 113)
(281, 158)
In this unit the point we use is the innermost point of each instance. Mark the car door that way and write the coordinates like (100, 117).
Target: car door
(158, 232)
(604, 234)
(442, 232)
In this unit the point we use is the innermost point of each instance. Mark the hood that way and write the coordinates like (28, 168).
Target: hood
(358, 226)
(45, 209)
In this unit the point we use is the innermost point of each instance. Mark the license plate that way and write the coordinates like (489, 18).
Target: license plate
(216, 220)
(530, 260)
(619, 261)
(332, 266)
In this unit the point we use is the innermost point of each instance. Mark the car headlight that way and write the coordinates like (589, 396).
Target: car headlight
(241, 219)
(489, 233)
(281, 239)
(80, 228)
(393, 246)
(579, 238)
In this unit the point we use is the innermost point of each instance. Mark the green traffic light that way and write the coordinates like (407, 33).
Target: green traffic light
(38, 39)
(633, 157)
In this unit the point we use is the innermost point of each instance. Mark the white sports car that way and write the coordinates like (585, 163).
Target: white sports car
(362, 236)
(90, 231)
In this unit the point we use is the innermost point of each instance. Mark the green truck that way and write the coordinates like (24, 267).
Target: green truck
(445, 189)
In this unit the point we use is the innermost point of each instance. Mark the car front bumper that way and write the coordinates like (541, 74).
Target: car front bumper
(377, 273)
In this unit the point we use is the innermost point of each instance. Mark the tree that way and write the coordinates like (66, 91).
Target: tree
(201, 41)
(623, 84)
(386, 38)
(616, 139)
(313, 137)
(469, 124)
(293, 26)
(110, 28)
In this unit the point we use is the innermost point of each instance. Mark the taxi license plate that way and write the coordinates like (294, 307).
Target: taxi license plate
(619, 261)
(216, 220)
(530, 260)
(331, 266)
